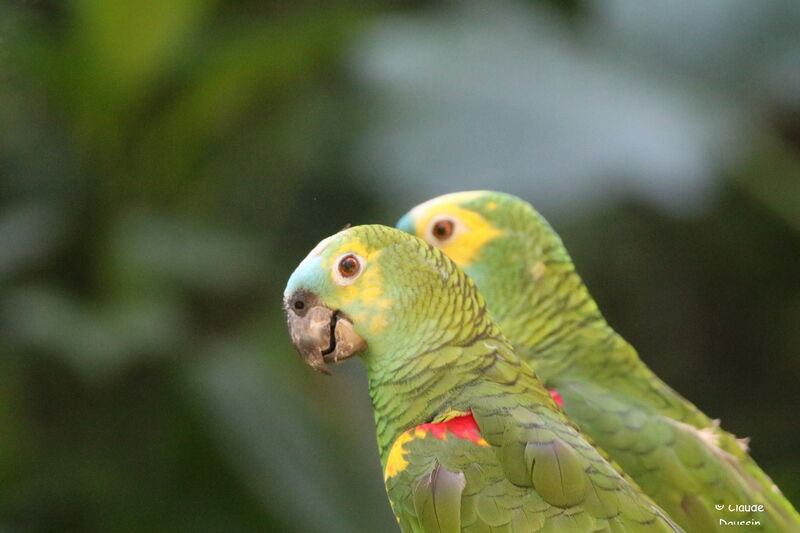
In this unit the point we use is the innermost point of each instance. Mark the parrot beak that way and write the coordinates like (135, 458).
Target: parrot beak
(320, 334)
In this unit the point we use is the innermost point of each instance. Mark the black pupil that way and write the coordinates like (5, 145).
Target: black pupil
(299, 305)
(349, 265)
(442, 229)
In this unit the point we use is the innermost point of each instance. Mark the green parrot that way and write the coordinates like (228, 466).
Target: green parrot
(469, 439)
(700, 474)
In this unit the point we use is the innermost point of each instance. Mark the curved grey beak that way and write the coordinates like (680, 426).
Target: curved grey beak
(321, 335)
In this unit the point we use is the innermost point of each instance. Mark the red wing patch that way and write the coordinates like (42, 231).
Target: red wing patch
(462, 427)
(556, 396)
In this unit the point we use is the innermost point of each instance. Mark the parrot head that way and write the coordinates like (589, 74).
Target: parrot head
(373, 291)
(465, 225)
(498, 239)
(460, 224)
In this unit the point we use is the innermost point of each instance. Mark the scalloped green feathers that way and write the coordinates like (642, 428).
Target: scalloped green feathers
(469, 439)
(679, 456)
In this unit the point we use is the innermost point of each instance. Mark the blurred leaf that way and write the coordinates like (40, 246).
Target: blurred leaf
(737, 44)
(146, 248)
(94, 341)
(127, 45)
(506, 98)
(248, 62)
(28, 233)
(111, 77)
(272, 441)
(773, 178)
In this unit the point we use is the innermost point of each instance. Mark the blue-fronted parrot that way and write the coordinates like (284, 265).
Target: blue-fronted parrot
(469, 439)
(700, 474)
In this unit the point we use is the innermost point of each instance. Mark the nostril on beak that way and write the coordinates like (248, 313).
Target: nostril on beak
(300, 303)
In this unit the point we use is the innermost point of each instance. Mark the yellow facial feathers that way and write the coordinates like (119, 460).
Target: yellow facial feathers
(470, 230)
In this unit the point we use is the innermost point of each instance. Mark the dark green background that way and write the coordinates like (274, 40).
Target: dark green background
(165, 165)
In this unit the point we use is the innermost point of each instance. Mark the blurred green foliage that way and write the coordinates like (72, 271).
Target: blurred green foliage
(165, 165)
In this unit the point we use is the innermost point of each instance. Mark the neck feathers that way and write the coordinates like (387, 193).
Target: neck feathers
(543, 304)
(419, 387)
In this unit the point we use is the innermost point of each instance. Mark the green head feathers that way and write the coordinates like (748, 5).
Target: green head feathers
(379, 292)
(491, 235)
(517, 261)
(404, 307)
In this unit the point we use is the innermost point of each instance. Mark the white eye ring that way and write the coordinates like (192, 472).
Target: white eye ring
(343, 272)
(451, 225)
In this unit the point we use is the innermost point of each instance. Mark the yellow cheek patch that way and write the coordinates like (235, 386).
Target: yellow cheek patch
(472, 231)
(466, 245)
(368, 288)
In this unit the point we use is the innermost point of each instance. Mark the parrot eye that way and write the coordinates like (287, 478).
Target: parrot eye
(442, 229)
(347, 268)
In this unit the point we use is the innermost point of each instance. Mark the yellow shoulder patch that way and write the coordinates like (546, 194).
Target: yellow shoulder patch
(459, 424)
(396, 462)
